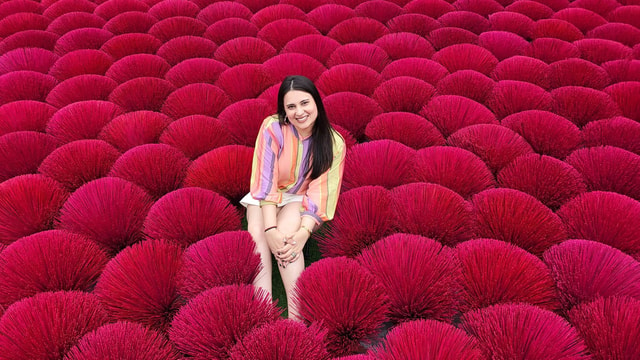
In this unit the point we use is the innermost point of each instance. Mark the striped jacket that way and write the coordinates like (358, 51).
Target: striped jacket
(279, 167)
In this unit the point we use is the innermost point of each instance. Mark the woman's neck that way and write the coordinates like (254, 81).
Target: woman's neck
(303, 134)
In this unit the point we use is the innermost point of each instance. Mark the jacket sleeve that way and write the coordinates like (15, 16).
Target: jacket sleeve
(321, 197)
(264, 168)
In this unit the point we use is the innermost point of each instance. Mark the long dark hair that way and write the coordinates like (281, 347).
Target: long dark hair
(321, 135)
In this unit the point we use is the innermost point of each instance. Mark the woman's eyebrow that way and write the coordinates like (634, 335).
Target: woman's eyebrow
(301, 101)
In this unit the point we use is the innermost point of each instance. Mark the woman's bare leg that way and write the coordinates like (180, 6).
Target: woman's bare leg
(288, 223)
(255, 226)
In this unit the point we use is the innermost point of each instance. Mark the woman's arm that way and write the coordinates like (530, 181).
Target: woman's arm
(264, 179)
(264, 168)
(275, 238)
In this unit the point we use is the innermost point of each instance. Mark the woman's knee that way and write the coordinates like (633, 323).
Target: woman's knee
(289, 218)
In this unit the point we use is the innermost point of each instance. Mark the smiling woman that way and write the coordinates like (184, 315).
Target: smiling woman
(295, 181)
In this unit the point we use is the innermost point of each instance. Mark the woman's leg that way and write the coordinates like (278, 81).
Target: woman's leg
(255, 226)
(288, 223)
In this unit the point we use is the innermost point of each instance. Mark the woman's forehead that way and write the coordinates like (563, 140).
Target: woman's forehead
(295, 96)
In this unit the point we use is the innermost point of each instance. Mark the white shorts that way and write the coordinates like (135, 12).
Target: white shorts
(286, 199)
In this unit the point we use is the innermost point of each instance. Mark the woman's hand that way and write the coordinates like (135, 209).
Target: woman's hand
(275, 240)
(295, 243)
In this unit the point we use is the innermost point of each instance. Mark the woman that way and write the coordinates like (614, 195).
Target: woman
(295, 181)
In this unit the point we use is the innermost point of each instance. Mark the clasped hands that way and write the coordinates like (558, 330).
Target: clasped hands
(286, 247)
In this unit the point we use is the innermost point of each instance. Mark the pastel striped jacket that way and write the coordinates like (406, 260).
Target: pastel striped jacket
(279, 167)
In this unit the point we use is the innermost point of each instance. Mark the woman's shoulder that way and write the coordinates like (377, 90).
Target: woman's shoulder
(272, 124)
(272, 127)
(338, 141)
(270, 120)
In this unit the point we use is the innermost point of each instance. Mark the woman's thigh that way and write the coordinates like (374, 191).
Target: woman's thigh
(255, 220)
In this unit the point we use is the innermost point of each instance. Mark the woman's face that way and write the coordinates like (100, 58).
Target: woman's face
(301, 110)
